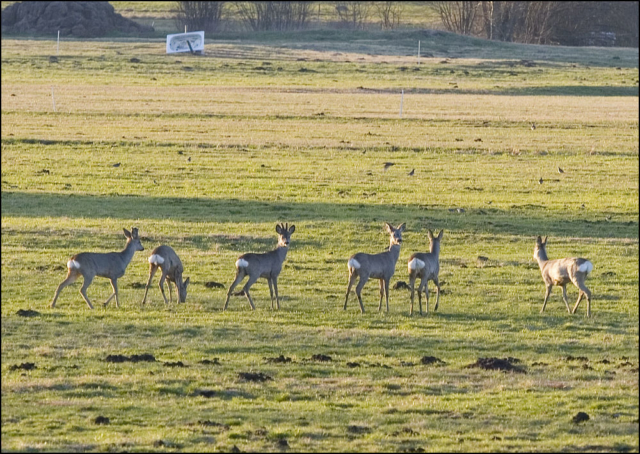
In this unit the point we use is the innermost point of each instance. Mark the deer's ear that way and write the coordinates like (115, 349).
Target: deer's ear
(134, 232)
(278, 229)
(127, 233)
(186, 281)
(440, 234)
(292, 229)
(430, 234)
(538, 240)
(401, 227)
(545, 240)
(389, 227)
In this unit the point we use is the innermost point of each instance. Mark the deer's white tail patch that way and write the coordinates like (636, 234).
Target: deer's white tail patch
(586, 267)
(73, 265)
(242, 263)
(353, 263)
(416, 264)
(156, 259)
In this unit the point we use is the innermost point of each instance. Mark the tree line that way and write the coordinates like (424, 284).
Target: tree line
(535, 22)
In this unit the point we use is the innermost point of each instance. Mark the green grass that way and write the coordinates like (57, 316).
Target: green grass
(308, 147)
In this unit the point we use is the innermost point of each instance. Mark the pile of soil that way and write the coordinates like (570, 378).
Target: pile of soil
(79, 19)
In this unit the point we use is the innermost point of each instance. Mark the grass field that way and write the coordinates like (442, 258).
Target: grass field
(215, 150)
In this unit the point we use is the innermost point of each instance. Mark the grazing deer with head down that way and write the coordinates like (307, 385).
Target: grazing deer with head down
(267, 265)
(378, 266)
(561, 272)
(165, 258)
(426, 267)
(111, 265)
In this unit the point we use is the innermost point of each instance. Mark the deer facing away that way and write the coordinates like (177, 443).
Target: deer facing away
(426, 266)
(561, 272)
(165, 258)
(267, 265)
(378, 266)
(111, 265)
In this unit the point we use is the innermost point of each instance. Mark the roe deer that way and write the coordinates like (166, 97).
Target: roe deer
(267, 265)
(165, 258)
(426, 266)
(378, 266)
(561, 272)
(111, 265)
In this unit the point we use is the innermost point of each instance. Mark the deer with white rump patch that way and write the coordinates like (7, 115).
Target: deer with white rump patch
(378, 266)
(267, 265)
(111, 265)
(426, 266)
(561, 272)
(165, 258)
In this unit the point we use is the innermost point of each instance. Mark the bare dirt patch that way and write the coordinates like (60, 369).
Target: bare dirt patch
(254, 376)
(101, 420)
(321, 357)
(27, 313)
(278, 360)
(580, 417)
(210, 362)
(23, 366)
(505, 365)
(145, 357)
(428, 360)
(175, 364)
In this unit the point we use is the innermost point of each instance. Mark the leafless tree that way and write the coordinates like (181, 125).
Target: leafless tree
(389, 14)
(353, 14)
(458, 17)
(274, 15)
(199, 15)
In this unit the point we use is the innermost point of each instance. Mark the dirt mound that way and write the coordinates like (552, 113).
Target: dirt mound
(80, 19)
(133, 358)
(498, 364)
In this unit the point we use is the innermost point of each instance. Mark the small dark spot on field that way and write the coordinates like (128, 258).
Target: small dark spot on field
(413, 449)
(187, 68)
(282, 443)
(575, 358)
(23, 366)
(27, 313)
(320, 357)
(133, 358)
(175, 364)
(262, 432)
(306, 70)
(358, 429)
(497, 364)
(134, 60)
(352, 364)
(541, 364)
(208, 423)
(52, 59)
(208, 393)
(405, 431)
(605, 361)
(580, 417)
(401, 285)
(209, 362)
(254, 376)
(587, 367)
(497, 438)
(278, 360)
(101, 420)
(136, 285)
(406, 364)
(426, 360)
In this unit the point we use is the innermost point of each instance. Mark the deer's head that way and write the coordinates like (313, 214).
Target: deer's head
(284, 234)
(132, 237)
(395, 234)
(434, 241)
(539, 250)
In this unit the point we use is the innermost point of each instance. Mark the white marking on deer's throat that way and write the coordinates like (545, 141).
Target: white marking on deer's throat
(156, 259)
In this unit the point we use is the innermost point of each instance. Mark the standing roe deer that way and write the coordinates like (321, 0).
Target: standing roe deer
(426, 267)
(561, 272)
(165, 258)
(267, 265)
(111, 265)
(378, 266)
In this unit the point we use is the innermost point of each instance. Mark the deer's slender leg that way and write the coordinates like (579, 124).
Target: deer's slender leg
(546, 297)
(381, 294)
(352, 279)
(239, 276)
(114, 286)
(270, 291)
(386, 292)
(426, 293)
(275, 290)
(586, 292)
(161, 285)
(152, 271)
(83, 289)
(564, 297)
(437, 293)
(71, 277)
(363, 280)
(247, 286)
(412, 283)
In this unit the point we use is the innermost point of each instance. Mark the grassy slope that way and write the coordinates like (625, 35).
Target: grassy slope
(270, 145)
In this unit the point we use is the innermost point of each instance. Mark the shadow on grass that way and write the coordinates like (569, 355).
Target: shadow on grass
(532, 221)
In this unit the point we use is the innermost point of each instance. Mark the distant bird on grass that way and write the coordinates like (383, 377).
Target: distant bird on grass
(117, 164)
(560, 170)
(388, 164)
(540, 180)
(189, 159)
(533, 126)
(411, 173)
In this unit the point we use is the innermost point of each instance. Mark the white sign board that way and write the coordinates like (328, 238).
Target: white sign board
(180, 42)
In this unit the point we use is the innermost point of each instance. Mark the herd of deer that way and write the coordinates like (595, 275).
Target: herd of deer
(363, 266)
